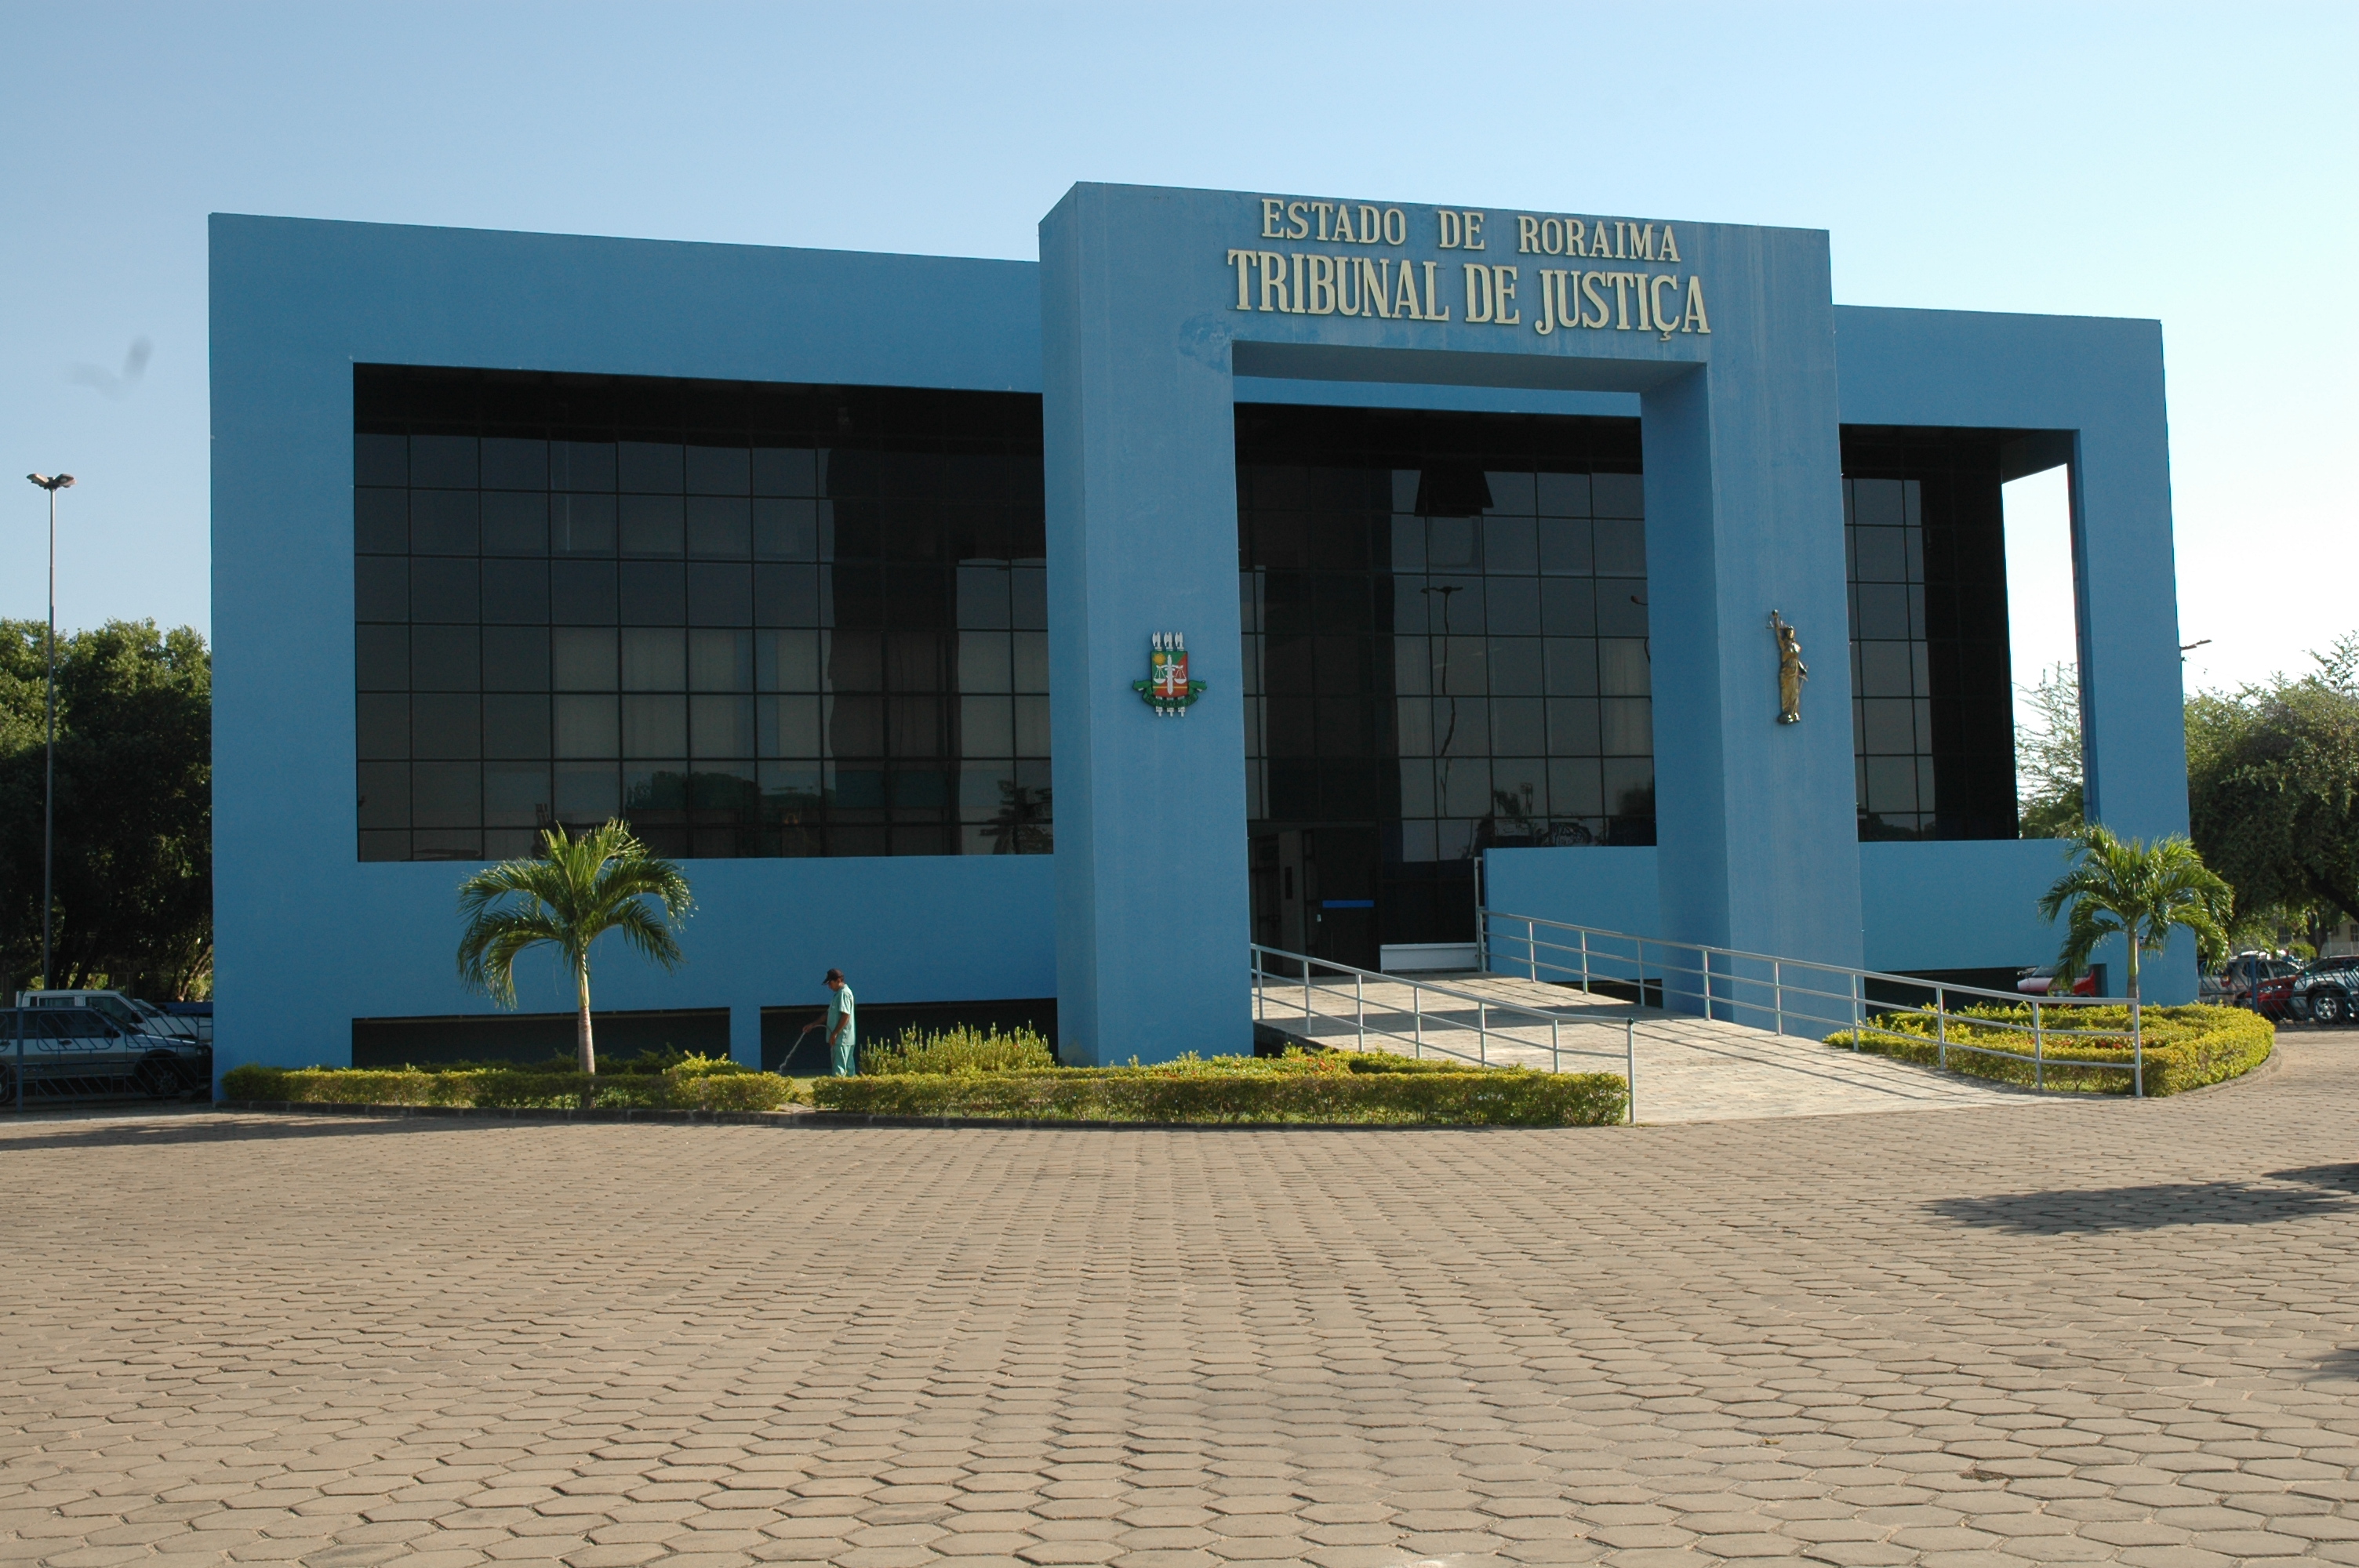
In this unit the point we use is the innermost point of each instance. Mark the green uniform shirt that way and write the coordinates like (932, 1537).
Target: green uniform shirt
(845, 1061)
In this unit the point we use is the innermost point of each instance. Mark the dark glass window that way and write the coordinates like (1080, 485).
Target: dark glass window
(1445, 650)
(752, 619)
(1932, 715)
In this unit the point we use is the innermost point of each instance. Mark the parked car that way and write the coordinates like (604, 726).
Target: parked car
(2326, 991)
(199, 1014)
(70, 1051)
(2234, 985)
(2042, 981)
(2273, 998)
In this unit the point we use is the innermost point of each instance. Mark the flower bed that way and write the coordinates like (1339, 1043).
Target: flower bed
(1329, 1087)
(693, 1083)
(958, 1050)
(2186, 1047)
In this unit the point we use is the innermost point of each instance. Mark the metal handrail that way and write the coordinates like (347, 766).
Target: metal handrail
(1853, 997)
(1437, 988)
(1485, 1006)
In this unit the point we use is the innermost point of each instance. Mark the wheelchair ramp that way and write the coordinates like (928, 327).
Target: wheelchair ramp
(1686, 1069)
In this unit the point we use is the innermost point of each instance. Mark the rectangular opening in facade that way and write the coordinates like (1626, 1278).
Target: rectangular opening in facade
(1445, 649)
(2044, 634)
(750, 619)
(528, 1038)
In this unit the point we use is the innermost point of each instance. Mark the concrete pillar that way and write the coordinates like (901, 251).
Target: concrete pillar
(1755, 819)
(1152, 910)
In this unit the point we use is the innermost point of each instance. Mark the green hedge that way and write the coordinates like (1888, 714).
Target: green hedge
(694, 1083)
(2186, 1047)
(1330, 1086)
(1342, 1087)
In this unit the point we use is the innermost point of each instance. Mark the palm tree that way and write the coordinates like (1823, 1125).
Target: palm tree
(573, 893)
(2126, 885)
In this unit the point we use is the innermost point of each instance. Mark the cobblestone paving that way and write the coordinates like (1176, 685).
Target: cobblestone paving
(2120, 1332)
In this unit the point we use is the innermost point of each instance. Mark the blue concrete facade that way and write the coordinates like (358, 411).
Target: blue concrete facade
(307, 938)
(1964, 905)
(2097, 384)
(1141, 330)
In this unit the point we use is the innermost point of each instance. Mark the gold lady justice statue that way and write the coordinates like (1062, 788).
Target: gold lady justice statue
(1791, 671)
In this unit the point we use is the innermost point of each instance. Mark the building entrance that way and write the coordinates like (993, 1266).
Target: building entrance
(1301, 905)
(1445, 621)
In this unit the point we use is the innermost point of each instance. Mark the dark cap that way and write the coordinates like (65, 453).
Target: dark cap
(834, 976)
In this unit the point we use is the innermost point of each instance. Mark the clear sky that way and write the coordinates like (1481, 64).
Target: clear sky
(2190, 164)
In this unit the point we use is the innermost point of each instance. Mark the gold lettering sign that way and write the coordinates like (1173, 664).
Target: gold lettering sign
(1654, 297)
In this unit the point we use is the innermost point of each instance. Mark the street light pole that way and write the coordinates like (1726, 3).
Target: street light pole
(49, 774)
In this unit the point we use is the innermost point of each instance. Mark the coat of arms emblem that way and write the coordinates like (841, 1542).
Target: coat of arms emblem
(1167, 688)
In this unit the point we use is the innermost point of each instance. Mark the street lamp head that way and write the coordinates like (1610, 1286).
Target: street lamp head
(63, 481)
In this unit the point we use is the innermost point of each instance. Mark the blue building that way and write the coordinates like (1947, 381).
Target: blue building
(839, 576)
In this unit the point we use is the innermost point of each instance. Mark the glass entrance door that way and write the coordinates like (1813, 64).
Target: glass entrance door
(1314, 892)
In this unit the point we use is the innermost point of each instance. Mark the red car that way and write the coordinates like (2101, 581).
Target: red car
(2273, 978)
(2038, 981)
(2275, 997)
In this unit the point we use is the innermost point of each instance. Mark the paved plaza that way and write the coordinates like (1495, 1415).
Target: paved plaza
(1998, 1333)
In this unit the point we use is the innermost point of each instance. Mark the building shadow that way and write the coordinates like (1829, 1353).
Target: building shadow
(2282, 1195)
(178, 1131)
(2334, 1178)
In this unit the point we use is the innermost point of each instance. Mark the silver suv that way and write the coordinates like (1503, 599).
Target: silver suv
(2326, 991)
(57, 1052)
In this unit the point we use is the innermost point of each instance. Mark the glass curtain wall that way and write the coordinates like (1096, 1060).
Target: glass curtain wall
(1932, 722)
(749, 619)
(1445, 649)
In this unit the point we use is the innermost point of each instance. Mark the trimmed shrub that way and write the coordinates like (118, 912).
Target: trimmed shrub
(357, 1086)
(253, 1082)
(2186, 1047)
(959, 1050)
(691, 1083)
(730, 1091)
(1329, 1087)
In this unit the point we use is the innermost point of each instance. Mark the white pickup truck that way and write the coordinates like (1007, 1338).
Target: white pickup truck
(57, 1044)
(139, 1017)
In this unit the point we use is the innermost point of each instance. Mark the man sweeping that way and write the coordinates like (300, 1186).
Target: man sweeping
(843, 1046)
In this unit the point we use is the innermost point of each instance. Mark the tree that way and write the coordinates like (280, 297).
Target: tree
(2273, 789)
(2142, 890)
(134, 839)
(2048, 763)
(571, 894)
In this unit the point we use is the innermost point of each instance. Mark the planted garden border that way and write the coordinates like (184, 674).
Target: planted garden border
(1327, 1088)
(2185, 1047)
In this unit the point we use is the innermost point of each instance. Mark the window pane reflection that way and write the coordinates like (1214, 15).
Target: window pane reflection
(1932, 721)
(814, 624)
(1432, 606)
